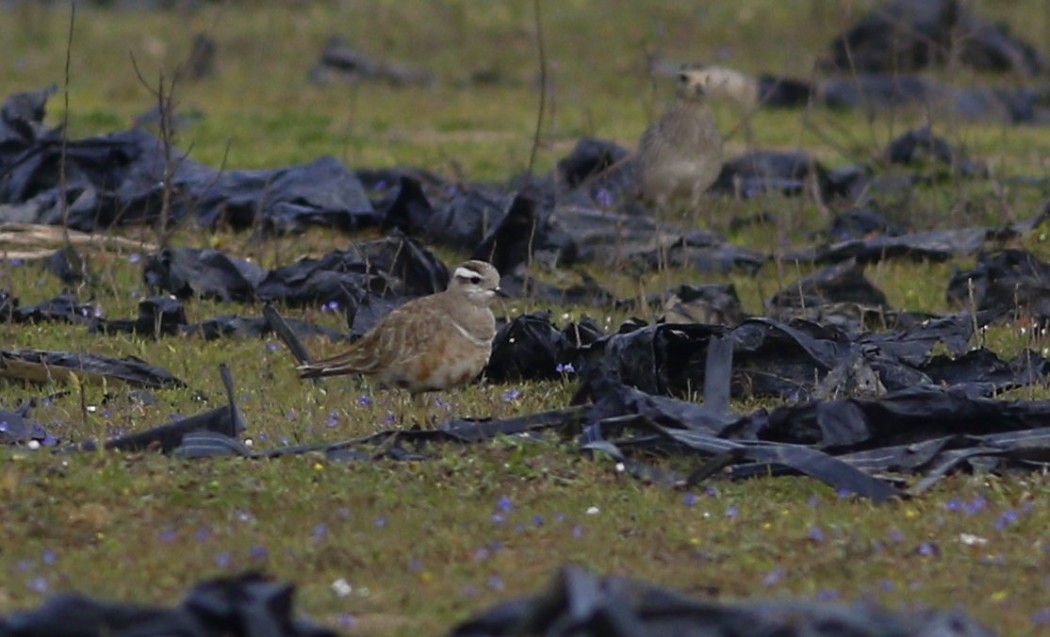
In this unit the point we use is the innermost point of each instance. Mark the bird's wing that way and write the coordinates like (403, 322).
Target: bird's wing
(400, 336)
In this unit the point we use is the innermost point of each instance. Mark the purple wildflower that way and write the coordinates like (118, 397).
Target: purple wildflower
(816, 534)
(603, 198)
(689, 499)
(929, 549)
(1007, 518)
(1041, 617)
(495, 583)
(504, 504)
(773, 577)
(38, 585)
(511, 395)
(565, 368)
(134, 257)
(976, 505)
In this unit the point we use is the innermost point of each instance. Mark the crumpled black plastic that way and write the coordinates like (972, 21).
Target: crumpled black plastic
(65, 307)
(763, 171)
(876, 92)
(1010, 284)
(841, 283)
(921, 144)
(226, 421)
(860, 223)
(789, 359)
(711, 303)
(588, 158)
(392, 266)
(16, 427)
(205, 273)
(847, 443)
(165, 316)
(908, 35)
(930, 245)
(579, 603)
(245, 605)
(285, 200)
(118, 179)
(340, 62)
(129, 369)
(389, 267)
(531, 347)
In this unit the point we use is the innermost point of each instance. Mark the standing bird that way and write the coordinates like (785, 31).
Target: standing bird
(432, 343)
(680, 154)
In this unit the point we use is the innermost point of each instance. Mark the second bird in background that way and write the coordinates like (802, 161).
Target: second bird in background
(680, 155)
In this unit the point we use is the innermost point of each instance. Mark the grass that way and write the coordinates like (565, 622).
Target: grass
(425, 544)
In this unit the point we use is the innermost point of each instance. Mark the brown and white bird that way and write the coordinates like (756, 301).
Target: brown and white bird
(432, 343)
(680, 154)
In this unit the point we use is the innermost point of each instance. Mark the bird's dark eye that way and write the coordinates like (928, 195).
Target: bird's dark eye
(475, 280)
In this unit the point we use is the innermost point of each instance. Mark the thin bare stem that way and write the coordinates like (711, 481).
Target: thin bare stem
(65, 126)
(542, 52)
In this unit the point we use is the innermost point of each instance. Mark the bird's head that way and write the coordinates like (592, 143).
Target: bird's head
(478, 280)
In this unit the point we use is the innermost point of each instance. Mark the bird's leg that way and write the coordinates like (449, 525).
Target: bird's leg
(421, 409)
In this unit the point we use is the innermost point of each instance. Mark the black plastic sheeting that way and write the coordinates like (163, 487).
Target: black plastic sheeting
(246, 605)
(571, 215)
(893, 408)
(118, 179)
(39, 366)
(1011, 284)
(930, 245)
(909, 35)
(389, 267)
(579, 603)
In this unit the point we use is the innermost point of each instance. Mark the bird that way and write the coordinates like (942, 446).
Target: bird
(433, 343)
(680, 154)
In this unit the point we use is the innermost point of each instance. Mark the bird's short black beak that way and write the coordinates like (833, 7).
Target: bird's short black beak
(501, 294)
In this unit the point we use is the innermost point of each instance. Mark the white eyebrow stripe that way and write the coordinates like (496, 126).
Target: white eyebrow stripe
(470, 337)
(464, 273)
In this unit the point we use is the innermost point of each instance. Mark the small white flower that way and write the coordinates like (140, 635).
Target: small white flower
(970, 539)
(593, 510)
(33, 444)
(342, 588)
(620, 467)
